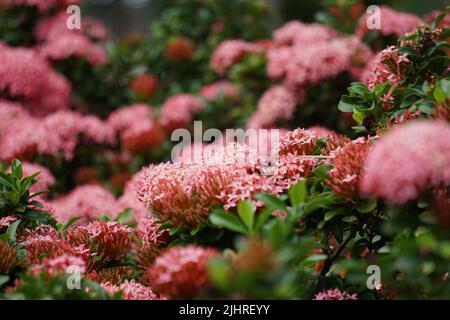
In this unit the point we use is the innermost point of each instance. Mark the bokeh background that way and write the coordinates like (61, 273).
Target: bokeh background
(130, 16)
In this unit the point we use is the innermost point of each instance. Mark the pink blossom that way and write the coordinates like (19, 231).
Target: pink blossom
(298, 33)
(132, 290)
(25, 75)
(393, 23)
(218, 89)
(59, 266)
(181, 272)
(70, 44)
(408, 160)
(177, 111)
(87, 201)
(335, 294)
(276, 103)
(228, 53)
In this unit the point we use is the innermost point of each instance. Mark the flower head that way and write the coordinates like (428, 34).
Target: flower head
(335, 294)
(181, 272)
(408, 160)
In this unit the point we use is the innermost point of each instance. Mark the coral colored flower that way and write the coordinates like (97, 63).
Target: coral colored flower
(348, 163)
(69, 44)
(8, 258)
(228, 53)
(181, 272)
(388, 66)
(408, 160)
(179, 49)
(54, 26)
(25, 75)
(136, 128)
(59, 266)
(335, 294)
(132, 290)
(45, 242)
(5, 222)
(393, 23)
(276, 103)
(177, 111)
(108, 241)
(218, 89)
(298, 142)
(10, 110)
(87, 201)
(296, 32)
(59, 132)
(113, 275)
(145, 85)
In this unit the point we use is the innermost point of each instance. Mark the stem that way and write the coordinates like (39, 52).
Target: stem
(336, 254)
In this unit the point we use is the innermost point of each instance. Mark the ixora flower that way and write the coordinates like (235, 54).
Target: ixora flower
(347, 164)
(145, 85)
(181, 272)
(87, 201)
(179, 49)
(8, 258)
(335, 294)
(408, 160)
(59, 266)
(132, 290)
(228, 53)
(58, 132)
(393, 23)
(59, 42)
(108, 241)
(177, 111)
(276, 103)
(136, 128)
(25, 75)
(218, 89)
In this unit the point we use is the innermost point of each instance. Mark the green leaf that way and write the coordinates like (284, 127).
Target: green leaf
(3, 279)
(331, 214)
(11, 231)
(271, 201)
(246, 211)
(227, 220)
(346, 104)
(322, 201)
(366, 205)
(359, 117)
(125, 216)
(297, 193)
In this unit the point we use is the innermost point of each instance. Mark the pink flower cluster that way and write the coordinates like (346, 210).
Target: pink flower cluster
(407, 161)
(25, 75)
(228, 53)
(393, 23)
(132, 290)
(218, 89)
(181, 272)
(59, 132)
(60, 43)
(335, 294)
(305, 62)
(177, 111)
(60, 265)
(276, 103)
(183, 193)
(388, 66)
(136, 127)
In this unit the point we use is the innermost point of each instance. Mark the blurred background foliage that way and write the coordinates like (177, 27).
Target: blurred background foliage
(130, 16)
